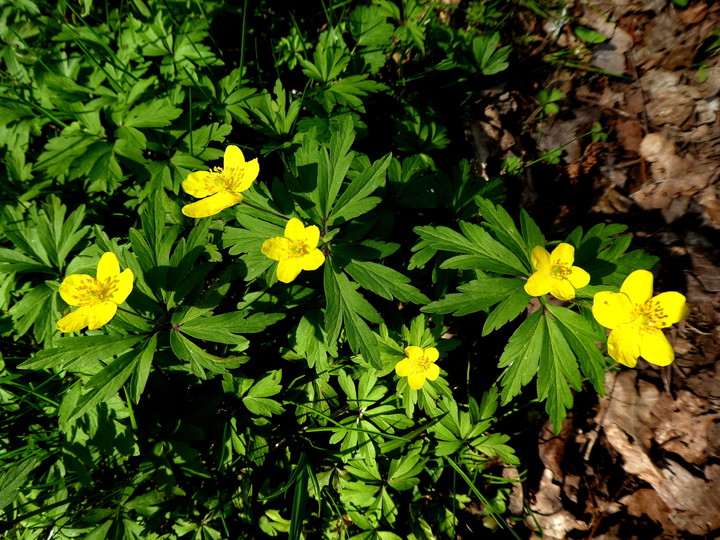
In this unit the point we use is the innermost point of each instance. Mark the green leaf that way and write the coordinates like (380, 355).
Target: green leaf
(530, 232)
(582, 338)
(333, 166)
(521, 356)
(369, 27)
(142, 369)
(199, 359)
(508, 309)
(557, 375)
(345, 304)
(589, 36)
(385, 282)
(489, 58)
(363, 185)
(477, 295)
(227, 328)
(152, 114)
(504, 229)
(348, 91)
(76, 353)
(105, 384)
(257, 398)
(14, 479)
(488, 254)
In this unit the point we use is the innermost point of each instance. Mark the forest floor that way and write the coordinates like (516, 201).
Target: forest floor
(644, 460)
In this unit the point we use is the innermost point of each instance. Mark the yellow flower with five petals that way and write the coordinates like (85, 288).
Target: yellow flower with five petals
(555, 273)
(418, 366)
(296, 251)
(98, 297)
(221, 187)
(636, 319)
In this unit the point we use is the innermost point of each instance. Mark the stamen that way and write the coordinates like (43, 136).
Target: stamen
(559, 270)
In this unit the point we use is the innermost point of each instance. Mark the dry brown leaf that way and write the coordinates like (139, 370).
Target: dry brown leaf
(548, 511)
(647, 502)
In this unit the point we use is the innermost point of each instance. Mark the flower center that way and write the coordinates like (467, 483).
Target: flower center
(559, 270)
(422, 364)
(228, 179)
(650, 315)
(298, 248)
(91, 291)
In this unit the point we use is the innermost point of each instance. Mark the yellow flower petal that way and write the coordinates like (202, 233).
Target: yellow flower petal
(673, 305)
(562, 289)
(655, 348)
(212, 205)
(77, 320)
(563, 253)
(233, 158)
(538, 284)
(432, 372)
(431, 354)
(541, 261)
(100, 314)
(417, 380)
(69, 289)
(578, 277)
(413, 352)
(277, 248)
(108, 267)
(624, 344)
(123, 287)
(312, 235)
(313, 260)
(638, 286)
(250, 172)
(288, 269)
(612, 309)
(295, 230)
(404, 367)
(201, 184)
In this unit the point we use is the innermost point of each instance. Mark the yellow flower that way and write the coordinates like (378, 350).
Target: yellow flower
(296, 251)
(98, 298)
(555, 273)
(418, 365)
(221, 186)
(636, 319)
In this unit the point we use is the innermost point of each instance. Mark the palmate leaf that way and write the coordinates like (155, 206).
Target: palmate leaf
(257, 399)
(557, 376)
(152, 114)
(369, 27)
(479, 295)
(38, 310)
(481, 251)
(508, 309)
(199, 360)
(350, 90)
(14, 479)
(77, 353)
(347, 308)
(385, 282)
(503, 228)
(227, 328)
(358, 190)
(582, 338)
(107, 382)
(43, 235)
(540, 347)
(521, 356)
